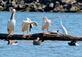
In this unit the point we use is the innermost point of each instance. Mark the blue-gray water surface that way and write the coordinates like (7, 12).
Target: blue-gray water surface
(72, 22)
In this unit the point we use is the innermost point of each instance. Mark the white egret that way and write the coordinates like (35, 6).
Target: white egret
(63, 27)
(27, 25)
(46, 24)
(11, 23)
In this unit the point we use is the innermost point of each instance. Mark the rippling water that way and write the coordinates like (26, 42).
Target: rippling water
(72, 21)
(46, 49)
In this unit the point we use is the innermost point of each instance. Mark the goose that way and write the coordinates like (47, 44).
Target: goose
(11, 27)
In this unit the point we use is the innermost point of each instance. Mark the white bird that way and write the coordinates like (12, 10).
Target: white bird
(27, 25)
(11, 26)
(11, 23)
(63, 27)
(46, 24)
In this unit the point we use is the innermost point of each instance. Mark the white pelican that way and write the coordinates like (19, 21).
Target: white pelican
(11, 26)
(64, 29)
(46, 24)
(11, 23)
(27, 25)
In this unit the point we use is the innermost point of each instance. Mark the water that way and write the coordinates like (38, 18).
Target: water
(46, 49)
(72, 21)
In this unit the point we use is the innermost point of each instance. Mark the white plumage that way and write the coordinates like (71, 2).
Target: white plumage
(27, 25)
(46, 23)
(11, 23)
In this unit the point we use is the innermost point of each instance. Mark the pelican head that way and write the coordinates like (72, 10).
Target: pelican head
(11, 22)
(13, 10)
(46, 20)
(28, 19)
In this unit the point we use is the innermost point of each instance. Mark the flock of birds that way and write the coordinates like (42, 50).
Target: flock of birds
(27, 25)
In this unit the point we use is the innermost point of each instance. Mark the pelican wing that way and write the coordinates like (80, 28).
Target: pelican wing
(10, 27)
(25, 26)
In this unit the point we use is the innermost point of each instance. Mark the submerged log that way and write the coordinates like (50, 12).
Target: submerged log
(42, 36)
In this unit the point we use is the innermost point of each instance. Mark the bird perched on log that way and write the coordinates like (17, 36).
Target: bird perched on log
(27, 26)
(64, 28)
(11, 27)
(11, 23)
(46, 24)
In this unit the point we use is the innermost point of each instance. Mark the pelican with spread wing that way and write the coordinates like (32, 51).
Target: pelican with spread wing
(27, 25)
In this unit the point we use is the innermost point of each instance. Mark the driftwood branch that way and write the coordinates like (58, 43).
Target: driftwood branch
(42, 36)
